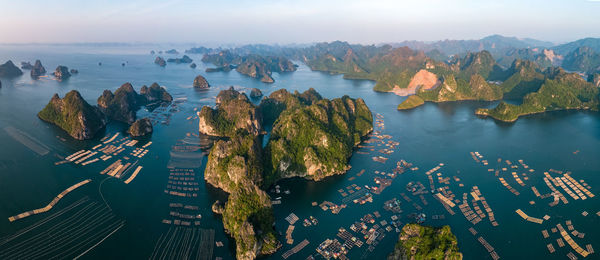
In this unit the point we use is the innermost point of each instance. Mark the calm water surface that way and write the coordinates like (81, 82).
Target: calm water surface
(428, 135)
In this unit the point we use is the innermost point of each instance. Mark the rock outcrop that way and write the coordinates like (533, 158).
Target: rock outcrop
(423, 242)
(184, 59)
(193, 65)
(26, 65)
(160, 61)
(141, 127)
(74, 71)
(255, 93)
(201, 83)
(233, 112)
(248, 218)
(74, 115)
(316, 141)
(124, 103)
(9, 70)
(234, 163)
(62, 73)
(37, 69)
(155, 93)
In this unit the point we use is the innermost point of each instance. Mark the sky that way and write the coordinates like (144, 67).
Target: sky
(299, 21)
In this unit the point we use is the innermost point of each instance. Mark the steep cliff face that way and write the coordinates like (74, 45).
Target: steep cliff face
(248, 218)
(235, 166)
(234, 111)
(74, 115)
(9, 69)
(235, 162)
(316, 141)
(141, 127)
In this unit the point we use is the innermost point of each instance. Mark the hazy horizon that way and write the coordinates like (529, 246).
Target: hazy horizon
(287, 22)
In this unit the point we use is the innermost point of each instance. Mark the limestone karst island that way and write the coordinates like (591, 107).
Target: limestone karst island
(399, 130)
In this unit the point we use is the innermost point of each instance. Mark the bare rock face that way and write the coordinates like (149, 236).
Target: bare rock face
(141, 127)
(74, 71)
(234, 112)
(37, 69)
(74, 115)
(62, 73)
(201, 83)
(160, 61)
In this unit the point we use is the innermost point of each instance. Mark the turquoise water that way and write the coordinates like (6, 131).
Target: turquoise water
(428, 135)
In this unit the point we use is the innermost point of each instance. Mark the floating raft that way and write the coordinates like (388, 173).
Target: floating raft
(296, 249)
(528, 218)
(571, 242)
(133, 175)
(51, 204)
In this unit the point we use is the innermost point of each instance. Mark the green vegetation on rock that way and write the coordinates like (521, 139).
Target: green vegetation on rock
(141, 127)
(234, 111)
(124, 103)
(248, 218)
(253, 65)
(411, 102)
(426, 243)
(311, 137)
(316, 141)
(564, 91)
(74, 115)
(235, 162)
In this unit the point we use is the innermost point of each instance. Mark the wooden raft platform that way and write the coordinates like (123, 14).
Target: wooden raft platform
(51, 204)
(528, 218)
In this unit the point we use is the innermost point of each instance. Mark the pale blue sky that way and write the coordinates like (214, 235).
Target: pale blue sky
(300, 21)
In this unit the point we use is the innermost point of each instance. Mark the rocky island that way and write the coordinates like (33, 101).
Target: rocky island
(255, 93)
(9, 70)
(252, 65)
(141, 127)
(200, 82)
(314, 140)
(124, 103)
(423, 242)
(74, 115)
(37, 69)
(62, 73)
(560, 91)
(184, 59)
(160, 61)
(233, 112)
(307, 127)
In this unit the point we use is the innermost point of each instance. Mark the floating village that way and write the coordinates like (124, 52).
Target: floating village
(412, 204)
(430, 195)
